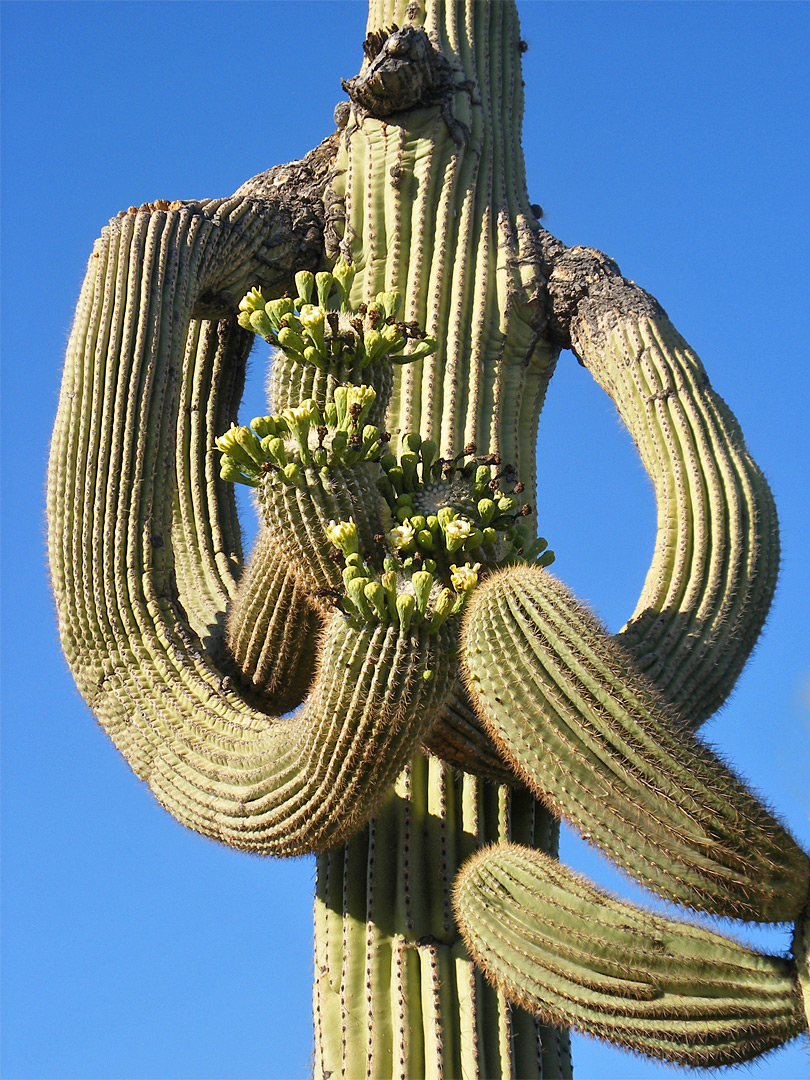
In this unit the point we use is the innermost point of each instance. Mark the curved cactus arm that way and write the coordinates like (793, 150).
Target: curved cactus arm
(598, 745)
(273, 629)
(220, 766)
(206, 537)
(716, 556)
(575, 955)
(460, 738)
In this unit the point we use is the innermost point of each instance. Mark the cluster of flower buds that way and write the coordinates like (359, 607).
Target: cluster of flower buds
(306, 436)
(329, 333)
(461, 507)
(408, 593)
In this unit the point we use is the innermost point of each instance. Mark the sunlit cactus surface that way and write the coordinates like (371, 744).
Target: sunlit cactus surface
(394, 679)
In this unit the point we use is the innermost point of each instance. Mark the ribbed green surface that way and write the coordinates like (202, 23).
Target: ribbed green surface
(575, 955)
(597, 744)
(297, 519)
(273, 629)
(716, 559)
(395, 992)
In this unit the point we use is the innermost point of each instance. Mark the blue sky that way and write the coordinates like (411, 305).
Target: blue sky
(672, 136)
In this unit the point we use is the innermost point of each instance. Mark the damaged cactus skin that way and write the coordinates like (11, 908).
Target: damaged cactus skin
(430, 202)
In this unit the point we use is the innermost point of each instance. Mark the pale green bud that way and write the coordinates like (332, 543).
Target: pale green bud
(422, 583)
(323, 283)
(343, 274)
(445, 607)
(486, 511)
(304, 282)
(290, 341)
(261, 325)
(242, 445)
(231, 471)
(263, 426)
(312, 319)
(375, 594)
(389, 302)
(252, 301)
(406, 606)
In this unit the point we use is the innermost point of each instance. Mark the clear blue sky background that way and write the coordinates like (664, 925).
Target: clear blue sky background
(672, 136)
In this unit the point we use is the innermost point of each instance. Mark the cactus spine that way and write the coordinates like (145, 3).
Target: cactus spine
(421, 191)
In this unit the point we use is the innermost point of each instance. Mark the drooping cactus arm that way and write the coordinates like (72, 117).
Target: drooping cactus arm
(595, 742)
(206, 538)
(220, 766)
(716, 556)
(666, 988)
(273, 629)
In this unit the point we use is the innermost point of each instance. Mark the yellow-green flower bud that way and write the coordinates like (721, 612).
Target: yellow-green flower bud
(464, 578)
(343, 274)
(242, 445)
(276, 449)
(323, 283)
(422, 583)
(277, 309)
(402, 537)
(412, 442)
(389, 302)
(424, 539)
(293, 474)
(393, 339)
(231, 471)
(263, 426)
(445, 606)
(374, 345)
(290, 341)
(344, 535)
(304, 282)
(406, 606)
(423, 348)
(261, 325)
(340, 440)
(428, 452)
(356, 590)
(312, 319)
(486, 511)
(506, 504)
(252, 301)
(375, 594)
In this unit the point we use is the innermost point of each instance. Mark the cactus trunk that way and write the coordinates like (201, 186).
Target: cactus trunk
(437, 207)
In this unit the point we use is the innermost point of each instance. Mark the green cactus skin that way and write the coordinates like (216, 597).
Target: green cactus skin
(273, 630)
(395, 993)
(717, 549)
(669, 989)
(423, 190)
(597, 744)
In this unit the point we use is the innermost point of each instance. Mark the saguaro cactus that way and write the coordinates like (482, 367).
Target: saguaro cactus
(453, 699)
